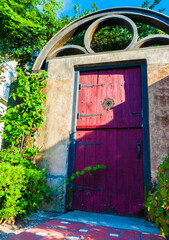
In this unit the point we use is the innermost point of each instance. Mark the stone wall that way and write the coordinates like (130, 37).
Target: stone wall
(158, 114)
(54, 139)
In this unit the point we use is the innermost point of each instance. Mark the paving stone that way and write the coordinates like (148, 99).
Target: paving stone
(152, 237)
(72, 226)
(116, 238)
(116, 231)
(147, 238)
(59, 231)
(83, 230)
(36, 229)
(114, 235)
(66, 233)
(88, 227)
(103, 227)
(64, 230)
(41, 226)
(54, 223)
(24, 236)
(42, 233)
(77, 234)
(50, 231)
(146, 233)
(52, 238)
(132, 235)
(94, 234)
(73, 238)
(56, 235)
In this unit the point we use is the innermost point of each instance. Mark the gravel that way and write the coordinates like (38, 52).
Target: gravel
(9, 230)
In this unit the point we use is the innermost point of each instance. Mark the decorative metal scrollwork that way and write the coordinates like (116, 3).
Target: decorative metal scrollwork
(124, 16)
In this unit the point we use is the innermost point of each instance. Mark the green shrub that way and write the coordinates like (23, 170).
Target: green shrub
(21, 190)
(12, 156)
(22, 186)
(158, 200)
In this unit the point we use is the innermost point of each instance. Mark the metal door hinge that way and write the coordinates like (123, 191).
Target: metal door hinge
(94, 85)
(82, 143)
(88, 115)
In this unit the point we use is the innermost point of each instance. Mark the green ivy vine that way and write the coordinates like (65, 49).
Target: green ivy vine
(89, 169)
(22, 121)
(22, 185)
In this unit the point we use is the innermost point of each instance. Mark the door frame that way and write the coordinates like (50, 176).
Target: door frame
(145, 116)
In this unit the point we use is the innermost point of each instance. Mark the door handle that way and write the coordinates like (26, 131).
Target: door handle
(138, 151)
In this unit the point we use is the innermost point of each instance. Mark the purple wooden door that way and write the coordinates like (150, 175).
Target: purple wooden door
(109, 129)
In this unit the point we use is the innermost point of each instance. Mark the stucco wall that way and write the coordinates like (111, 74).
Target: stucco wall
(54, 139)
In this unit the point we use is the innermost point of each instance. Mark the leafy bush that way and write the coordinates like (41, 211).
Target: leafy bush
(23, 120)
(21, 190)
(12, 156)
(158, 200)
(22, 186)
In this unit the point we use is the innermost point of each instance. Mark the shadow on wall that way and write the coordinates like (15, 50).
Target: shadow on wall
(159, 122)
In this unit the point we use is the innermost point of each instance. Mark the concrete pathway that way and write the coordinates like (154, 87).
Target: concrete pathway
(113, 221)
(91, 226)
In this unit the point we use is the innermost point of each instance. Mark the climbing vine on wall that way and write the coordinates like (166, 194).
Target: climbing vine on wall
(22, 185)
(77, 174)
(23, 120)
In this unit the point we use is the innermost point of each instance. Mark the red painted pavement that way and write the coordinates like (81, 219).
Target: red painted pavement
(57, 229)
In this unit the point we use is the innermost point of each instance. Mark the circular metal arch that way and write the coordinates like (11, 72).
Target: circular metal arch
(141, 15)
(68, 50)
(110, 20)
(153, 40)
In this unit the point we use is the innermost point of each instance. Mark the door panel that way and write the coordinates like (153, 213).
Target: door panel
(122, 86)
(119, 187)
(113, 139)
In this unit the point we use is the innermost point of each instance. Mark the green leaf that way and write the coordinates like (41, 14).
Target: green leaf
(164, 192)
(82, 172)
(14, 96)
(72, 178)
(78, 173)
(8, 127)
(89, 169)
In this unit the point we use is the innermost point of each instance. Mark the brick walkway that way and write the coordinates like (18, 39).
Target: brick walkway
(57, 229)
